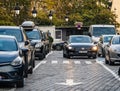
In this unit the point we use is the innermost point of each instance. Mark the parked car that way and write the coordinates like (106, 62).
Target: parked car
(35, 35)
(103, 41)
(112, 50)
(79, 45)
(58, 46)
(23, 42)
(11, 61)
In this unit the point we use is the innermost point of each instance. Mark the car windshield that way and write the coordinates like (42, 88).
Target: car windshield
(80, 39)
(107, 38)
(33, 35)
(14, 32)
(98, 31)
(8, 45)
(116, 40)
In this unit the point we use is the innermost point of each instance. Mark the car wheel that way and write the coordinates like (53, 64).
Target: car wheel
(20, 83)
(64, 55)
(30, 70)
(58, 47)
(94, 57)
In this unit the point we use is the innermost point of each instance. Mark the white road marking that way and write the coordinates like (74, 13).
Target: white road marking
(54, 62)
(66, 62)
(113, 73)
(69, 82)
(41, 62)
(77, 62)
(88, 62)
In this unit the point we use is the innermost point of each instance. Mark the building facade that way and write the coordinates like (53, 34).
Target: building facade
(116, 9)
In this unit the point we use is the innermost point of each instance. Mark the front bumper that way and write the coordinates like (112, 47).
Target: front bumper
(9, 74)
(115, 56)
(82, 53)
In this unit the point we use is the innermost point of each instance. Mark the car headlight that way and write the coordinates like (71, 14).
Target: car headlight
(17, 61)
(70, 47)
(38, 45)
(94, 48)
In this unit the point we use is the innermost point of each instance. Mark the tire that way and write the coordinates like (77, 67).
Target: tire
(94, 57)
(20, 83)
(30, 70)
(64, 55)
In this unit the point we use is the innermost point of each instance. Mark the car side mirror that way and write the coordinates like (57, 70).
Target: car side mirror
(24, 51)
(26, 42)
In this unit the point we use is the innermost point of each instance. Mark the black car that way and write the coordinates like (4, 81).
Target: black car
(35, 35)
(58, 46)
(79, 45)
(23, 42)
(11, 61)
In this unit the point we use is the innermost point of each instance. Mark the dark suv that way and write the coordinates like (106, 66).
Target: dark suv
(23, 42)
(35, 36)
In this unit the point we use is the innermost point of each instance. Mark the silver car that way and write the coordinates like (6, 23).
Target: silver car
(112, 50)
(103, 41)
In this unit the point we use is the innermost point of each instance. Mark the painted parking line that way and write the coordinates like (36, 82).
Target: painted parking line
(88, 62)
(66, 62)
(77, 62)
(54, 62)
(41, 62)
(109, 70)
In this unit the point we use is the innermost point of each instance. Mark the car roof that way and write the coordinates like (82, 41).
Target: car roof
(12, 27)
(101, 25)
(79, 35)
(107, 35)
(7, 36)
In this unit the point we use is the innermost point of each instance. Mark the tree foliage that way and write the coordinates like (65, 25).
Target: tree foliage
(86, 11)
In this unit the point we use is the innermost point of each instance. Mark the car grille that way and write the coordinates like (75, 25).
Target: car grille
(82, 48)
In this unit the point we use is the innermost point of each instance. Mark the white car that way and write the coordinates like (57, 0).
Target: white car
(112, 50)
(103, 41)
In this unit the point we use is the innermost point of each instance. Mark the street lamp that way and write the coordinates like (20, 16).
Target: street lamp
(34, 12)
(17, 9)
(66, 18)
(50, 16)
(17, 12)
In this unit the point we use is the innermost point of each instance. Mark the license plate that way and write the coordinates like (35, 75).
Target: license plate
(82, 51)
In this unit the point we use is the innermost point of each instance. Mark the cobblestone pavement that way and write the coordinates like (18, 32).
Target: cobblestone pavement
(56, 73)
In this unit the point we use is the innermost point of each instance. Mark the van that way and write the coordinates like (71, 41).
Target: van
(95, 31)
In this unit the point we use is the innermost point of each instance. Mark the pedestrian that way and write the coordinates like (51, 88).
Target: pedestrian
(50, 41)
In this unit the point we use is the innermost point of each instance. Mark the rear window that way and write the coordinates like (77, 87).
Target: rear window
(13, 32)
(98, 31)
(33, 35)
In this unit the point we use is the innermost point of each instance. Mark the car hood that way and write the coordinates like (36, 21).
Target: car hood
(6, 57)
(81, 44)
